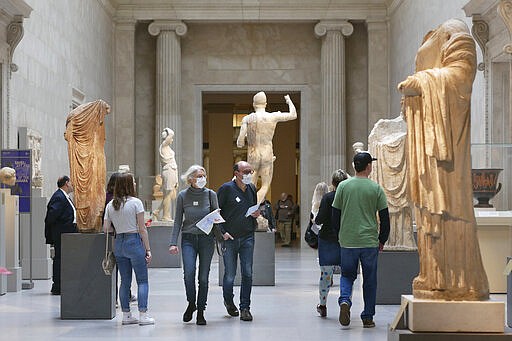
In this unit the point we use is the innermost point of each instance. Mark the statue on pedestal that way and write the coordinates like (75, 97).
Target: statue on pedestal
(259, 128)
(85, 133)
(169, 176)
(386, 142)
(437, 109)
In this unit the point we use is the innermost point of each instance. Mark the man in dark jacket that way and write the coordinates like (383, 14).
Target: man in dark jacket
(235, 198)
(60, 218)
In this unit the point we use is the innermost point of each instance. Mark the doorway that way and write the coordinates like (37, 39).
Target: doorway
(222, 113)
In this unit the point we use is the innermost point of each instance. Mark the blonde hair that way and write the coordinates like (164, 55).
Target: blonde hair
(189, 174)
(320, 189)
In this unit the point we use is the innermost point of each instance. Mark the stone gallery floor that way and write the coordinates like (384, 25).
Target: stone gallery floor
(282, 312)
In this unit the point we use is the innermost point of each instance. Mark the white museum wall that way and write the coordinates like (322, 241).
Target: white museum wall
(409, 22)
(66, 45)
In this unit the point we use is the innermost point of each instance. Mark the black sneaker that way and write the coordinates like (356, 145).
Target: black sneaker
(200, 320)
(344, 314)
(231, 308)
(245, 315)
(187, 315)
(368, 323)
(322, 310)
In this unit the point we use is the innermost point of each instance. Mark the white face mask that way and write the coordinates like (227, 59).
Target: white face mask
(247, 178)
(201, 182)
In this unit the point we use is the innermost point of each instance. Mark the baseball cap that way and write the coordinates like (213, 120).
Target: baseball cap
(362, 159)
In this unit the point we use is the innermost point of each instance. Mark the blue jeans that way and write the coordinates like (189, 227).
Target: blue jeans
(131, 254)
(193, 245)
(350, 258)
(242, 247)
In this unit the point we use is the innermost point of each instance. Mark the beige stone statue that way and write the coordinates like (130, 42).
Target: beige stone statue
(85, 133)
(169, 176)
(437, 111)
(157, 188)
(259, 129)
(387, 142)
(8, 176)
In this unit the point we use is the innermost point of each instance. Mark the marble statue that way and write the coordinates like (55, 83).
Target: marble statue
(259, 128)
(386, 142)
(34, 143)
(8, 176)
(437, 111)
(85, 133)
(169, 176)
(157, 188)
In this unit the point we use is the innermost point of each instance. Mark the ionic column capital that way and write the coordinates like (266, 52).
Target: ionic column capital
(324, 26)
(505, 11)
(158, 26)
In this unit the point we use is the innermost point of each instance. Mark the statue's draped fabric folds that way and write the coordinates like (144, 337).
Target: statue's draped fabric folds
(85, 133)
(437, 110)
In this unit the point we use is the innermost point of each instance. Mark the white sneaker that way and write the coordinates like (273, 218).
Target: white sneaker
(128, 318)
(145, 319)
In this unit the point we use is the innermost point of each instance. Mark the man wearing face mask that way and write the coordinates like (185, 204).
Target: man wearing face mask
(192, 204)
(235, 197)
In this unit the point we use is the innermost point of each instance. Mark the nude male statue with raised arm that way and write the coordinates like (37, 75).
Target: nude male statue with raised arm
(259, 128)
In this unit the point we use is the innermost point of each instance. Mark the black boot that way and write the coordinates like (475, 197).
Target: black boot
(187, 315)
(200, 321)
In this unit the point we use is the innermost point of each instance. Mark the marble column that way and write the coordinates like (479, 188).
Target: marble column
(124, 94)
(333, 91)
(168, 81)
(378, 80)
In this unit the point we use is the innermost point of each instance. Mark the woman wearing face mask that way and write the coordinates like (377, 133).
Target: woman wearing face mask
(192, 204)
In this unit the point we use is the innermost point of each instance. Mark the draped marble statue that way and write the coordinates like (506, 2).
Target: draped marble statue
(386, 142)
(169, 175)
(437, 111)
(259, 128)
(85, 133)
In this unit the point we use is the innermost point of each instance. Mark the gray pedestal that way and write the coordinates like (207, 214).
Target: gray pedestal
(395, 273)
(41, 262)
(264, 262)
(407, 335)
(86, 292)
(159, 237)
(509, 297)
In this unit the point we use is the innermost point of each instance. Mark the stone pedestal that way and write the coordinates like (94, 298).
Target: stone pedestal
(3, 278)
(509, 296)
(407, 335)
(494, 229)
(12, 240)
(41, 262)
(159, 237)
(395, 273)
(86, 292)
(454, 316)
(264, 262)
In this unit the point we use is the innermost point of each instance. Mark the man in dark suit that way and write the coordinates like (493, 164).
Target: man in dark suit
(60, 218)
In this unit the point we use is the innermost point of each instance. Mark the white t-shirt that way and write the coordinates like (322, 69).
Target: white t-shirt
(125, 219)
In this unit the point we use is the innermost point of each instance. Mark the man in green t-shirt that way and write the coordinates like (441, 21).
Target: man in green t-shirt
(359, 199)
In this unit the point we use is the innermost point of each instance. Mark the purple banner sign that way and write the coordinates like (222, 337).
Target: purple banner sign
(20, 161)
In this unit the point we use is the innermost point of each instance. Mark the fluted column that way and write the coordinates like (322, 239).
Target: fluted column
(378, 82)
(124, 94)
(168, 81)
(333, 116)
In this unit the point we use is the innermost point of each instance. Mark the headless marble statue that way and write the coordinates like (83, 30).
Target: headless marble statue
(437, 109)
(85, 133)
(387, 143)
(259, 129)
(169, 175)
